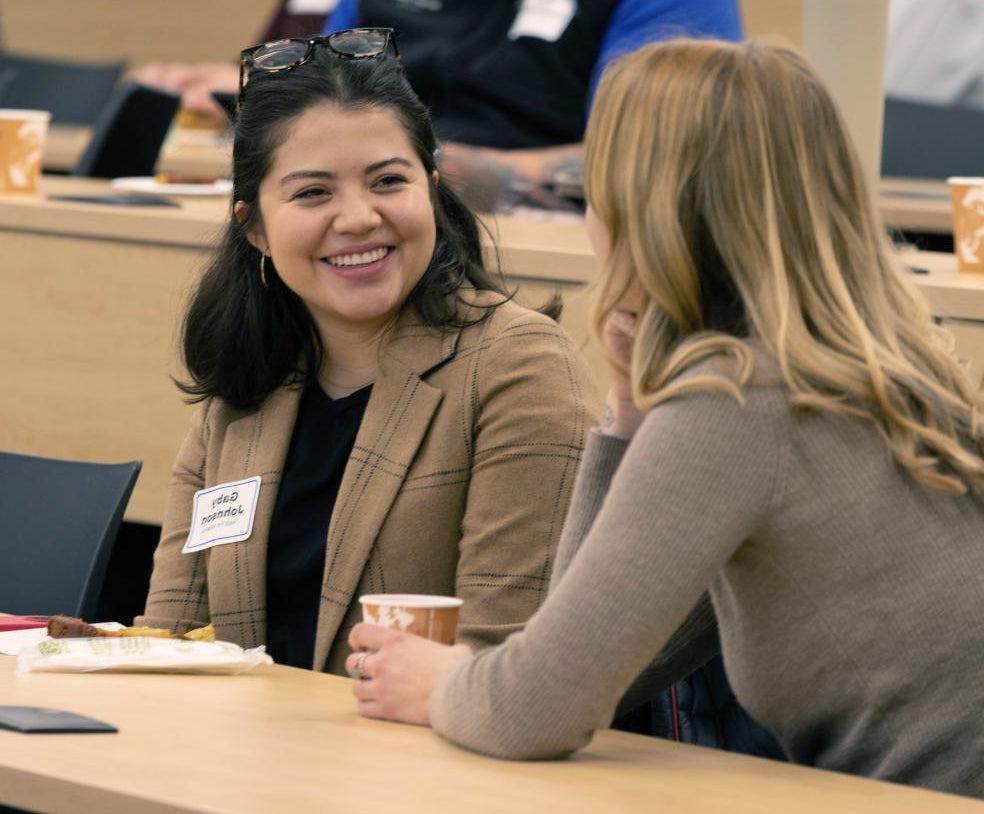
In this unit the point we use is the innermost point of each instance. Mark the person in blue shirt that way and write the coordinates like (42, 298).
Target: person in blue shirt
(509, 82)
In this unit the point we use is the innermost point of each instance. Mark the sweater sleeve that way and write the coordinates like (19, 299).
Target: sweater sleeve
(695, 482)
(599, 462)
(696, 640)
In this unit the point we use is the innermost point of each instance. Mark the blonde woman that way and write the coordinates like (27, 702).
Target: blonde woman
(804, 448)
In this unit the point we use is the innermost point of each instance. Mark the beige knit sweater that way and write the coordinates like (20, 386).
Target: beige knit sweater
(849, 599)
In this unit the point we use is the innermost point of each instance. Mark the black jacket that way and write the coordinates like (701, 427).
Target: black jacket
(702, 710)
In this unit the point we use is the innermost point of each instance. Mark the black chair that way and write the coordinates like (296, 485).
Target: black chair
(702, 709)
(74, 92)
(923, 140)
(58, 523)
(127, 581)
(227, 101)
(129, 133)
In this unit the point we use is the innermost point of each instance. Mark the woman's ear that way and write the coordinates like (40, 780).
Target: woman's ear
(254, 235)
(436, 176)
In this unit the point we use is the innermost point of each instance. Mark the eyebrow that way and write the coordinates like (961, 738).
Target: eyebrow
(376, 165)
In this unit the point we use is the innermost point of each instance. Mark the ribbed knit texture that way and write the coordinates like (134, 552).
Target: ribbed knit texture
(849, 599)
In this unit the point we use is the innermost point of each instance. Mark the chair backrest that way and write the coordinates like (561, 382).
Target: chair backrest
(128, 134)
(227, 101)
(74, 92)
(58, 522)
(924, 140)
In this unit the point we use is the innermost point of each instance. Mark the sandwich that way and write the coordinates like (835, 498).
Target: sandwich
(70, 627)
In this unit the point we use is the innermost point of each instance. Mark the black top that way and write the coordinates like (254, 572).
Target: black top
(320, 446)
(484, 88)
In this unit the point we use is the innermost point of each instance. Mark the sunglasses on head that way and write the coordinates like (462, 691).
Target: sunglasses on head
(285, 55)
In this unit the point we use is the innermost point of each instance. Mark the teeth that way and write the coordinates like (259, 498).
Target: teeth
(359, 259)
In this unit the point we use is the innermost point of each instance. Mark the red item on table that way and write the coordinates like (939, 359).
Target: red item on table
(22, 622)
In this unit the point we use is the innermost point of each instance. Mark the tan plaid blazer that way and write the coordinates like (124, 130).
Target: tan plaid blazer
(458, 484)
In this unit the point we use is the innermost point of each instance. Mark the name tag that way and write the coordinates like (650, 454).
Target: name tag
(543, 19)
(222, 514)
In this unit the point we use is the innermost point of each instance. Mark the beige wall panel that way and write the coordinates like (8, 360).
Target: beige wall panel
(135, 31)
(845, 41)
(87, 350)
(774, 19)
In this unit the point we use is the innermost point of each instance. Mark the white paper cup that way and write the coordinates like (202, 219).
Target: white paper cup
(433, 617)
(967, 195)
(22, 136)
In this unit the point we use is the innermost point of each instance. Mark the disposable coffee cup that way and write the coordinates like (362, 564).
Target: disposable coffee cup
(22, 136)
(967, 195)
(433, 617)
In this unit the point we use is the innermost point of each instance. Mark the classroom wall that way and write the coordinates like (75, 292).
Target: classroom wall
(845, 42)
(774, 18)
(135, 31)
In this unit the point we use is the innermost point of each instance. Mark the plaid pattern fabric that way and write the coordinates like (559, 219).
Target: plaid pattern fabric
(458, 484)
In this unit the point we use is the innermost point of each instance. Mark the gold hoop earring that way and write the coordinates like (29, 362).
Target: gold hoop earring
(263, 278)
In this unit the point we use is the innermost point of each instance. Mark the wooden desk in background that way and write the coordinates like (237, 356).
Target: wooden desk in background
(910, 204)
(916, 205)
(283, 739)
(91, 297)
(63, 146)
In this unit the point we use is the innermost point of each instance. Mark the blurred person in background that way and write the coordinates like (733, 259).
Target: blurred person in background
(197, 81)
(509, 82)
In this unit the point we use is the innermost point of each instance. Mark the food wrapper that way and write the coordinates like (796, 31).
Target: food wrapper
(139, 654)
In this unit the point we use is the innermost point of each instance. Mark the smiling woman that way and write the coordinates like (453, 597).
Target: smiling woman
(348, 221)
(412, 429)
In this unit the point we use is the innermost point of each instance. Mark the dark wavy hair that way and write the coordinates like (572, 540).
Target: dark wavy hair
(242, 340)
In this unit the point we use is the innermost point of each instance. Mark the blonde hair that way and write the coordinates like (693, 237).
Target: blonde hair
(737, 208)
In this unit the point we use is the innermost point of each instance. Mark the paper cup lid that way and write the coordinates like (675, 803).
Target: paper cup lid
(411, 600)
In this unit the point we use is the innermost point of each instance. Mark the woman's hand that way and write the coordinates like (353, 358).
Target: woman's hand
(622, 417)
(397, 672)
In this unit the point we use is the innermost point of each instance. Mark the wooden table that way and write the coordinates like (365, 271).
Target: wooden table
(283, 739)
(91, 297)
(64, 146)
(916, 205)
(905, 203)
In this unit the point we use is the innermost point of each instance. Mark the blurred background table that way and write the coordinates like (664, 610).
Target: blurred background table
(63, 146)
(916, 205)
(909, 204)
